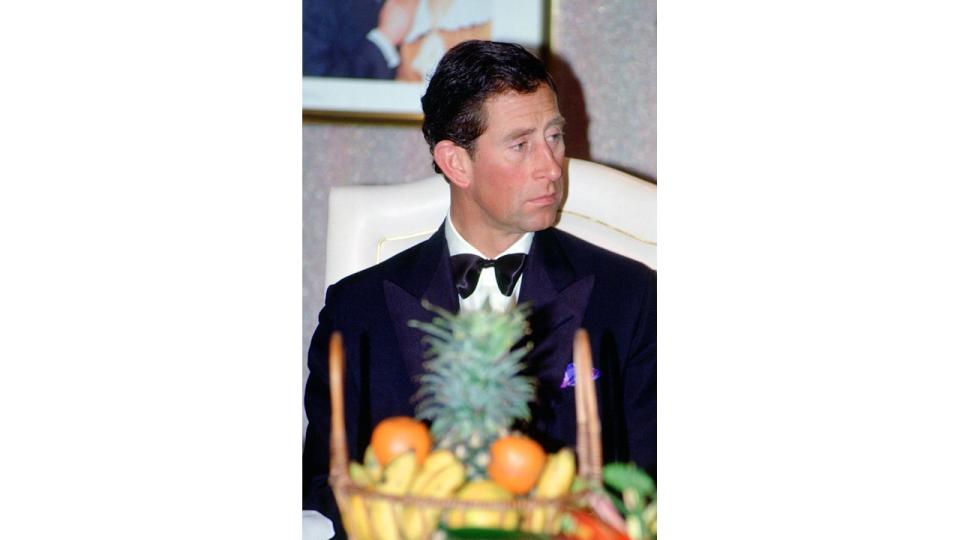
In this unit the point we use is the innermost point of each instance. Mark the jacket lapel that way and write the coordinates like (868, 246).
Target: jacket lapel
(430, 280)
(559, 299)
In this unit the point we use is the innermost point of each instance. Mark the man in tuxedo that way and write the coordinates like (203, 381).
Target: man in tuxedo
(495, 132)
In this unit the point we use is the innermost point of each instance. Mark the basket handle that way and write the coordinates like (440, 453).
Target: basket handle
(338, 437)
(589, 450)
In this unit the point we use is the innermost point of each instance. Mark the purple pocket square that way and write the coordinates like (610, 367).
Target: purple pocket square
(570, 376)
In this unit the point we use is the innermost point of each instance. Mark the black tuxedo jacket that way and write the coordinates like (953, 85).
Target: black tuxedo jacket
(570, 283)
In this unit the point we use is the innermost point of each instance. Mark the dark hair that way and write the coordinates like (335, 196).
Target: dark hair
(466, 76)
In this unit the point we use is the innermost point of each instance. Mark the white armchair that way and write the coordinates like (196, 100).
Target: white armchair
(368, 224)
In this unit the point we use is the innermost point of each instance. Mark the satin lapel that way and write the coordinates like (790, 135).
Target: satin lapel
(559, 298)
(431, 280)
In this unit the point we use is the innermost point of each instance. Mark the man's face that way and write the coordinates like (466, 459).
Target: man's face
(516, 168)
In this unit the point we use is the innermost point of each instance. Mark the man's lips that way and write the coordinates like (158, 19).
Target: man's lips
(544, 200)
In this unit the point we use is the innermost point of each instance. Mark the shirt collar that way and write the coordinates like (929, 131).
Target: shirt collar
(457, 244)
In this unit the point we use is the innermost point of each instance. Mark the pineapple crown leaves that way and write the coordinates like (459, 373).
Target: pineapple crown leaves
(472, 382)
(481, 332)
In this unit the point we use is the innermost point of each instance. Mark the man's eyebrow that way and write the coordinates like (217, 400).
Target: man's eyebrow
(517, 133)
(521, 132)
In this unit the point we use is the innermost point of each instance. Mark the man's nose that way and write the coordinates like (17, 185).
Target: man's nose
(549, 165)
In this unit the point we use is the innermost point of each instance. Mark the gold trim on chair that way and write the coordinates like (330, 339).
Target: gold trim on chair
(607, 225)
(383, 240)
(623, 175)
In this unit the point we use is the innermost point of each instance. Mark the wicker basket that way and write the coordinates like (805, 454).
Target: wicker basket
(358, 503)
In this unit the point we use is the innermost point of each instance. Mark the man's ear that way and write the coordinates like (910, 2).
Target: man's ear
(455, 162)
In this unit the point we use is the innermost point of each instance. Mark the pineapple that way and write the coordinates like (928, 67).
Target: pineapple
(471, 390)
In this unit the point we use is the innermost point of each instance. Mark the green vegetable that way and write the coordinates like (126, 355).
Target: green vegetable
(639, 498)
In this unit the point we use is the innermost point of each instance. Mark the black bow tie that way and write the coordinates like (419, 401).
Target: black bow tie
(466, 271)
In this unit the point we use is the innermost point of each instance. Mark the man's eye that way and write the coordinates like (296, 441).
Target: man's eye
(555, 137)
(519, 147)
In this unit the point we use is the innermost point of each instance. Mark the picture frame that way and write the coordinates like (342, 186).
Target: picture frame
(516, 21)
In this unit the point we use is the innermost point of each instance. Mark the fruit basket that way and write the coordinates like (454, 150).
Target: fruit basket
(390, 512)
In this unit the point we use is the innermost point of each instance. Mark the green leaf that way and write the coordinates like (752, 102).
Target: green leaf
(623, 476)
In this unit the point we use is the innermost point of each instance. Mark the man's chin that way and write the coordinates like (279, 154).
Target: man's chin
(545, 222)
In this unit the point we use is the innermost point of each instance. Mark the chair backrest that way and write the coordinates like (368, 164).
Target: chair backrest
(369, 224)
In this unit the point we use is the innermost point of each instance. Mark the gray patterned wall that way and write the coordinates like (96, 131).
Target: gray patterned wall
(604, 61)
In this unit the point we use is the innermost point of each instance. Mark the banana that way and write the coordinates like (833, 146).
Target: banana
(446, 480)
(397, 476)
(416, 523)
(436, 460)
(535, 521)
(373, 466)
(555, 480)
(558, 475)
(356, 521)
(359, 475)
(412, 523)
(384, 521)
(483, 490)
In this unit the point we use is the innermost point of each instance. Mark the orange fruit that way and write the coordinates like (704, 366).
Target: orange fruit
(398, 434)
(516, 462)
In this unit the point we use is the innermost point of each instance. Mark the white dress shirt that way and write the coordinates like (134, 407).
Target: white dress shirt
(487, 288)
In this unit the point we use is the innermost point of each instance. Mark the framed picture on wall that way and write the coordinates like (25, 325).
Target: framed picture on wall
(372, 58)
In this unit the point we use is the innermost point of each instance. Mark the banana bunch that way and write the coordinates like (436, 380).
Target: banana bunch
(440, 475)
(377, 519)
(355, 518)
(555, 481)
